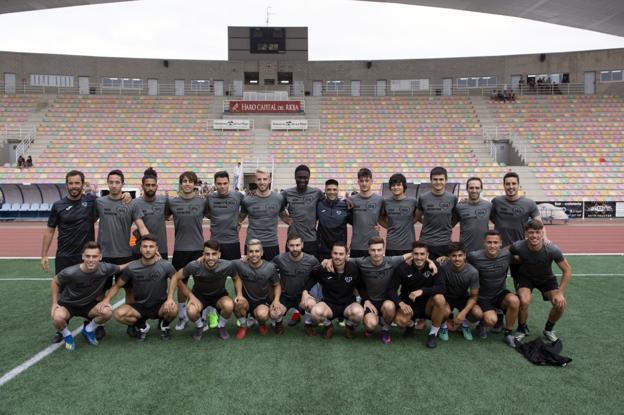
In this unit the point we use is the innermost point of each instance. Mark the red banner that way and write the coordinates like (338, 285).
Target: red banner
(265, 106)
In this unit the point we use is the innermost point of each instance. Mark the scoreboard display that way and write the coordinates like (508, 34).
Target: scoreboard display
(267, 40)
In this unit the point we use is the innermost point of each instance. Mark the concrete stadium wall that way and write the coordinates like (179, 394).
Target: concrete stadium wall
(367, 72)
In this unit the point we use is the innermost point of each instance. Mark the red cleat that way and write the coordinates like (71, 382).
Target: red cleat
(263, 329)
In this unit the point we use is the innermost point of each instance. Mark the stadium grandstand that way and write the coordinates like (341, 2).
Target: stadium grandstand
(556, 119)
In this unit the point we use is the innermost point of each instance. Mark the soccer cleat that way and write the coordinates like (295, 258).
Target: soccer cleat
(443, 334)
(132, 331)
(58, 337)
(465, 331)
(213, 320)
(524, 329)
(550, 335)
(142, 333)
(198, 333)
(100, 332)
(432, 341)
(385, 337)
(368, 334)
(342, 322)
(294, 319)
(165, 334)
(205, 326)
(328, 332)
(241, 333)
(263, 329)
(349, 332)
(482, 331)
(409, 332)
(498, 327)
(89, 337)
(70, 346)
(510, 340)
(279, 328)
(223, 333)
(310, 330)
(182, 323)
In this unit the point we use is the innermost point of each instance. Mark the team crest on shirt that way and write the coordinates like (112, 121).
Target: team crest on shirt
(405, 210)
(348, 279)
(121, 210)
(481, 213)
(230, 204)
(338, 212)
(517, 211)
(158, 210)
(444, 205)
(308, 200)
(194, 210)
(371, 206)
(84, 204)
(427, 274)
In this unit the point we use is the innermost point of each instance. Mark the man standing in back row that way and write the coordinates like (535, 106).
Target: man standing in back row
(223, 208)
(366, 209)
(263, 209)
(435, 211)
(301, 202)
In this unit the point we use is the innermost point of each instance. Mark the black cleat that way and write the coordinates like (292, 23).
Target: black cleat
(409, 332)
(58, 337)
(165, 334)
(432, 341)
(100, 332)
(132, 332)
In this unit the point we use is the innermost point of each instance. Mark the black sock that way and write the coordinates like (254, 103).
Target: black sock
(549, 325)
(164, 324)
(141, 323)
(507, 332)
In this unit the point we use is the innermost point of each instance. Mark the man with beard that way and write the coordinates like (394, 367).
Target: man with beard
(473, 216)
(263, 210)
(294, 268)
(223, 208)
(333, 215)
(366, 209)
(209, 273)
(153, 208)
(149, 276)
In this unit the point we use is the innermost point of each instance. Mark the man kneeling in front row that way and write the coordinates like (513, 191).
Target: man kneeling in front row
(79, 287)
(339, 299)
(148, 276)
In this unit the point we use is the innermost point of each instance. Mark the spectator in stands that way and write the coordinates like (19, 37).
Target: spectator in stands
(21, 162)
(29, 161)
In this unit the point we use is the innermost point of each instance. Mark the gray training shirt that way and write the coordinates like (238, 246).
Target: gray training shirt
(302, 209)
(492, 272)
(263, 214)
(79, 289)
(377, 278)
(459, 282)
(437, 218)
(510, 217)
(224, 212)
(209, 282)
(294, 274)
(474, 222)
(366, 211)
(400, 214)
(536, 264)
(154, 219)
(149, 282)
(116, 219)
(257, 281)
(188, 218)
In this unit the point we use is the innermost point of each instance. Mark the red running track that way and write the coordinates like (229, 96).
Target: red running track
(23, 239)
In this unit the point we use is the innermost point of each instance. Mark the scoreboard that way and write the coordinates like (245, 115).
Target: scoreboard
(267, 43)
(267, 40)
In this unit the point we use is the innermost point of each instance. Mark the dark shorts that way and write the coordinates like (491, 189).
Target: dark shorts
(210, 300)
(493, 303)
(291, 303)
(513, 270)
(78, 311)
(269, 252)
(118, 261)
(544, 284)
(397, 252)
(457, 302)
(147, 311)
(358, 253)
(230, 251)
(254, 304)
(337, 309)
(181, 258)
(62, 262)
(419, 306)
(436, 251)
(377, 305)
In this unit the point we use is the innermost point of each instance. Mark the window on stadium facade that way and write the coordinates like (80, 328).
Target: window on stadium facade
(122, 83)
(335, 86)
(477, 81)
(611, 75)
(200, 85)
(63, 81)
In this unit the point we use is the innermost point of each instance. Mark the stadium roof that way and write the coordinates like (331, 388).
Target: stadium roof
(606, 16)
